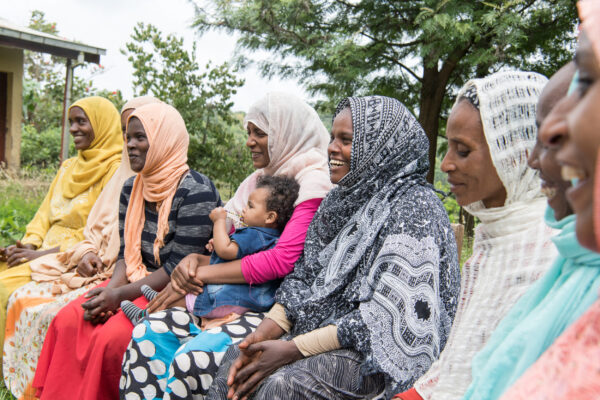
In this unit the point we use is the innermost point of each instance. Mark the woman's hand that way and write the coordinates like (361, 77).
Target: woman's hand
(184, 279)
(267, 330)
(89, 265)
(20, 253)
(257, 362)
(163, 300)
(104, 302)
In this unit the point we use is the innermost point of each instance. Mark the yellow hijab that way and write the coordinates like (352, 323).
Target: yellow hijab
(103, 155)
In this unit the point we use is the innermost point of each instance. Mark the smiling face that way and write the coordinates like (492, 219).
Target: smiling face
(137, 144)
(468, 163)
(553, 129)
(579, 153)
(258, 143)
(340, 147)
(80, 128)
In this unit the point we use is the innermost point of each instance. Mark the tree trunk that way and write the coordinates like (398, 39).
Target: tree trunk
(430, 106)
(433, 90)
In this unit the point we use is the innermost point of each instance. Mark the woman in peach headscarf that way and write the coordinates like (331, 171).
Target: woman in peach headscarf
(59, 278)
(163, 216)
(570, 368)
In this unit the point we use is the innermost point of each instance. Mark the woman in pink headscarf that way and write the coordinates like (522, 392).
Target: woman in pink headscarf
(163, 216)
(570, 368)
(285, 137)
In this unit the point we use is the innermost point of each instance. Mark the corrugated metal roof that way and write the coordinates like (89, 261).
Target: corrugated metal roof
(12, 35)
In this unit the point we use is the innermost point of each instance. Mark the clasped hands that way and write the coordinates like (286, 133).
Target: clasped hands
(261, 355)
(18, 253)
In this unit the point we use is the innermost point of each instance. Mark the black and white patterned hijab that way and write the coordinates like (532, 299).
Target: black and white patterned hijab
(380, 259)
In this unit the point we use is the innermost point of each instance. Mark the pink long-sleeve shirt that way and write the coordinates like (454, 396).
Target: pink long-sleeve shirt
(279, 261)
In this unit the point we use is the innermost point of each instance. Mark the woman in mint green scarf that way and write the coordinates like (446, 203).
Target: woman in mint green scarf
(565, 292)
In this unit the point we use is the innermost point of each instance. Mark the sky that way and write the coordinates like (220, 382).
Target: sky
(109, 24)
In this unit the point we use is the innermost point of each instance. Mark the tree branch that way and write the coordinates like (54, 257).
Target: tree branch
(392, 44)
(401, 65)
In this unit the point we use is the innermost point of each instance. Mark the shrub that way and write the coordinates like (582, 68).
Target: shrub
(41, 149)
(19, 203)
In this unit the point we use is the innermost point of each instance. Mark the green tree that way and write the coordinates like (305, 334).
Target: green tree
(419, 52)
(164, 68)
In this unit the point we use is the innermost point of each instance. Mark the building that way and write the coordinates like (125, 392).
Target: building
(13, 41)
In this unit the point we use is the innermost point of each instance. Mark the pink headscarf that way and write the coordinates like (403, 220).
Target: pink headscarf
(157, 182)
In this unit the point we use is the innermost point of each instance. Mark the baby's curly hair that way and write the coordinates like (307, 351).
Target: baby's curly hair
(283, 192)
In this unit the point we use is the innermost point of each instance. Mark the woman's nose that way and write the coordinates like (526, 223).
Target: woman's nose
(534, 158)
(447, 165)
(333, 147)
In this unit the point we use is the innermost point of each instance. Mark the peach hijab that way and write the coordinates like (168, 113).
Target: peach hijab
(157, 182)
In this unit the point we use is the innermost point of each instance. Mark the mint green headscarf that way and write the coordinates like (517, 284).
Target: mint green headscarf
(553, 303)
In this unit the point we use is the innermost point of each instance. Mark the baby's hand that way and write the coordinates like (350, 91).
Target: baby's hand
(217, 214)
(210, 246)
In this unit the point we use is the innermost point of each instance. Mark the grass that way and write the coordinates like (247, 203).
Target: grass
(21, 196)
(5, 394)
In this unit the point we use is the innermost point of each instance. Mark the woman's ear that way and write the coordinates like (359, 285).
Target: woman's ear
(271, 217)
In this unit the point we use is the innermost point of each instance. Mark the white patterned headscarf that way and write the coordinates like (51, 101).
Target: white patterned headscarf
(512, 246)
(507, 103)
(380, 259)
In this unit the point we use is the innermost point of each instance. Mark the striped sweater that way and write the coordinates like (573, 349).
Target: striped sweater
(190, 228)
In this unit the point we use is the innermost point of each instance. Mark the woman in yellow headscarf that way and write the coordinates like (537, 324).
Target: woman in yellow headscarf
(95, 126)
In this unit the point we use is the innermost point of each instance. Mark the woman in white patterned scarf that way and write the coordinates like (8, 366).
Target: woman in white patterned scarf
(370, 303)
(491, 130)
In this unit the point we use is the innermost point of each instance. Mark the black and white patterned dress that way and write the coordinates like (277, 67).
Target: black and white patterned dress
(379, 263)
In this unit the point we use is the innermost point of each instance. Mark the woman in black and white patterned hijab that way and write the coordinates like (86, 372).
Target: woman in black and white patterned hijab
(370, 303)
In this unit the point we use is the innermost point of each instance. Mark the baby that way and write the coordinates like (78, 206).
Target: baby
(269, 208)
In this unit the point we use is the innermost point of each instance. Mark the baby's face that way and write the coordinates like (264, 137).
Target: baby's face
(255, 212)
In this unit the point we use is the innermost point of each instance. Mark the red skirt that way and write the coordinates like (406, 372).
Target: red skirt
(80, 360)
(410, 394)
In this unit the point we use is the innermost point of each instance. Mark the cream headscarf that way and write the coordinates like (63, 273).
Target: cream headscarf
(104, 153)
(166, 164)
(297, 147)
(101, 231)
(512, 246)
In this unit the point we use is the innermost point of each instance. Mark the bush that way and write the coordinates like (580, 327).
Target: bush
(20, 200)
(41, 149)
